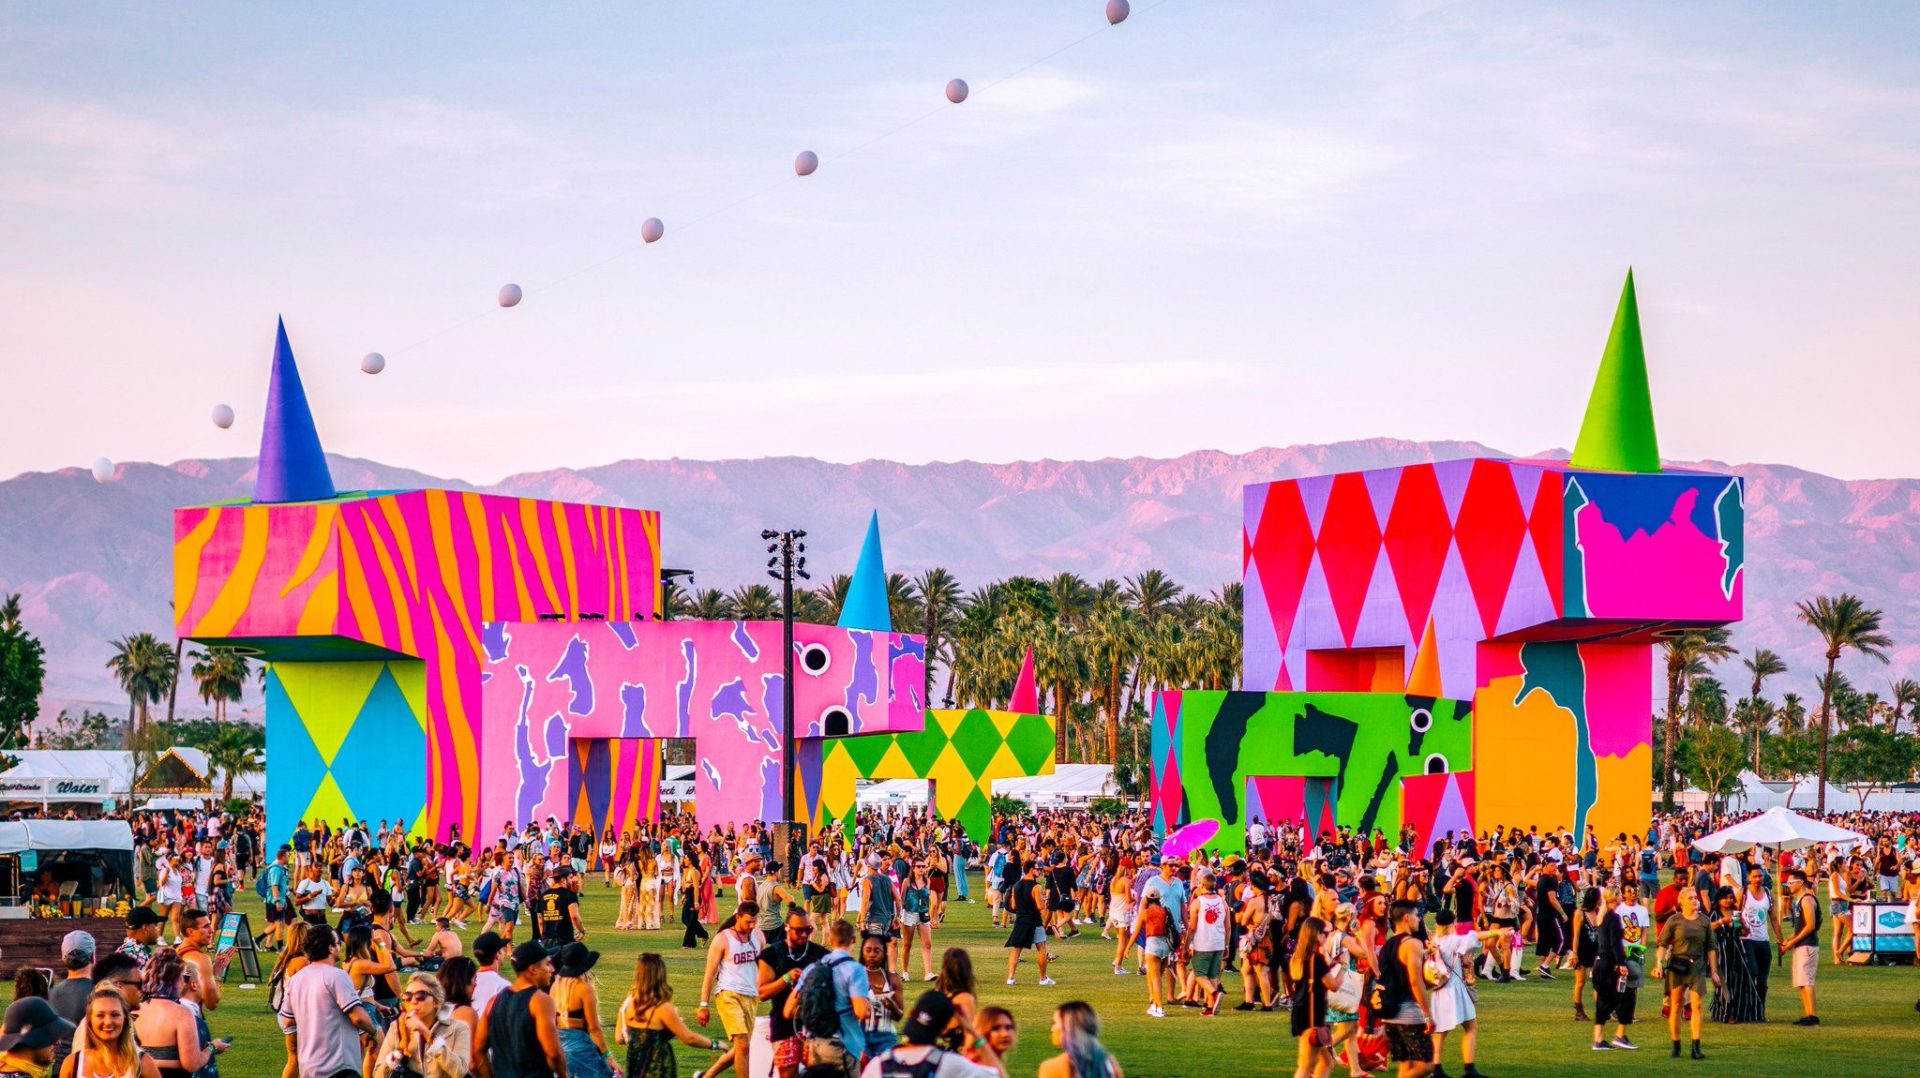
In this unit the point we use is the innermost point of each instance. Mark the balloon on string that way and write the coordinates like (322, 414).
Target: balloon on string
(373, 363)
(957, 91)
(652, 228)
(103, 470)
(222, 416)
(806, 162)
(1117, 11)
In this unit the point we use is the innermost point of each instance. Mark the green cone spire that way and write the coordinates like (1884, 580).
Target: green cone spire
(1617, 434)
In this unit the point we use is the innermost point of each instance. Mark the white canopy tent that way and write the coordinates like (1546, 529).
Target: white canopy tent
(100, 775)
(1777, 828)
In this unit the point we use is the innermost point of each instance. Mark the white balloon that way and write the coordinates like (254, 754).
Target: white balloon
(509, 295)
(957, 91)
(373, 363)
(1117, 11)
(652, 229)
(103, 470)
(806, 162)
(222, 416)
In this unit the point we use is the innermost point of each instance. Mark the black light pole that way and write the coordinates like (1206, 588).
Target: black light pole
(789, 559)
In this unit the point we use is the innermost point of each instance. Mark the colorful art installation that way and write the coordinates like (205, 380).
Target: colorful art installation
(327, 586)
(1520, 600)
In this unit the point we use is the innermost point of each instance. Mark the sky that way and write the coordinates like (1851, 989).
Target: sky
(1215, 226)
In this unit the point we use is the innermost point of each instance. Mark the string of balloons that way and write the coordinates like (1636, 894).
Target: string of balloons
(653, 229)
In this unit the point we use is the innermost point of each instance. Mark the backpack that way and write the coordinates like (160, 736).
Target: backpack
(1648, 866)
(819, 1002)
(260, 885)
(890, 1067)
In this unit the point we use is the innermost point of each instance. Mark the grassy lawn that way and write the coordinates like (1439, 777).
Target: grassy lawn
(1526, 1029)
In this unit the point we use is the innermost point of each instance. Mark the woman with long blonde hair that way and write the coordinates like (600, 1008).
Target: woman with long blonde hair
(104, 1046)
(649, 1023)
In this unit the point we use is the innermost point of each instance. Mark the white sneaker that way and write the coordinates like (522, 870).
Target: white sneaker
(1155, 1012)
(1010, 980)
(1118, 972)
(1048, 982)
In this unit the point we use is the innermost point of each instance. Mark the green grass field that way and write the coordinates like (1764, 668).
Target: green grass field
(1526, 1029)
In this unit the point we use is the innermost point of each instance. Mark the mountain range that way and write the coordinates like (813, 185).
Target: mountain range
(92, 560)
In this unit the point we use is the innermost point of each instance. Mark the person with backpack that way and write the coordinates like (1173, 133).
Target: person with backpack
(1401, 1001)
(920, 1057)
(832, 1002)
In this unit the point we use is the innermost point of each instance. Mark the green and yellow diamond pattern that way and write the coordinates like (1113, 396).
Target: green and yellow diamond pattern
(960, 752)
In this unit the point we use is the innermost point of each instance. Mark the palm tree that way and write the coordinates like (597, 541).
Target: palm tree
(903, 600)
(1114, 644)
(1688, 654)
(1906, 696)
(939, 603)
(231, 751)
(833, 596)
(221, 675)
(1793, 712)
(675, 603)
(755, 602)
(711, 604)
(1151, 592)
(10, 612)
(1845, 624)
(144, 667)
(1763, 664)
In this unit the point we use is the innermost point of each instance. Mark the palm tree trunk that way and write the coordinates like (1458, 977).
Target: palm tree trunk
(1062, 711)
(1113, 717)
(1674, 669)
(173, 689)
(133, 728)
(1826, 721)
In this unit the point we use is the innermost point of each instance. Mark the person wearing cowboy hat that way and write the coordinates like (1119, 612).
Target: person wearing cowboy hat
(31, 1031)
(577, 1004)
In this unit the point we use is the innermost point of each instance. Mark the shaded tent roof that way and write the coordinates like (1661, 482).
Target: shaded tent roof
(116, 766)
(172, 774)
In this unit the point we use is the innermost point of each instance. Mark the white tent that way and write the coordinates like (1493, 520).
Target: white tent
(20, 835)
(1778, 829)
(1069, 784)
(109, 769)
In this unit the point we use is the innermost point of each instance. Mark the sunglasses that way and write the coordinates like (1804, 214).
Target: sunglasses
(411, 996)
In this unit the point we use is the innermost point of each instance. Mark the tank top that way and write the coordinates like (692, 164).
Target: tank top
(1753, 914)
(882, 911)
(740, 973)
(512, 1041)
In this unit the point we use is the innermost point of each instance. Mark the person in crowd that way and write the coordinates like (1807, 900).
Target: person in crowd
(277, 899)
(731, 984)
(519, 1031)
(143, 933)
(1028, 901)
(886, 991)
(834, 1024)
(1585, 931)
(197, 937)
(423, 1040)
(456, 977)
(168, 1031)
(69, 996)
(32, 982)
(781, 966)
(648, 1023)
(28, 1036)
(1802, 946)
(577, 1002)
(106, 1047)
(1001, 1032)
(1076, 1032)
(314, 895)
(690, 883)
(1311, 975)
(320, 1011)
(1404, 1005)
(1615, 994)
(919, 1052)
(1451, 996)
(1208, 919)
(1154, 932)
(120, 973)
(1686, 959)
(487, 979)
(556, 913)
(916, 920)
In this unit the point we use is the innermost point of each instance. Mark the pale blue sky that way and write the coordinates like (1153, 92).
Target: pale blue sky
(1219, 225)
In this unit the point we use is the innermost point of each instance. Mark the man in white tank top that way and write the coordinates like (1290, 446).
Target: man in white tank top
(1760, 924)
(732, 985)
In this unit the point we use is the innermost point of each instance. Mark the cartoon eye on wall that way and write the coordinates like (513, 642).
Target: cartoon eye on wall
(1422, 720)
(1436, 764)
(835, 721)
(815, 658)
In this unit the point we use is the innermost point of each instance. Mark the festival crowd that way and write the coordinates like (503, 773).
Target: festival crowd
(1376, 951)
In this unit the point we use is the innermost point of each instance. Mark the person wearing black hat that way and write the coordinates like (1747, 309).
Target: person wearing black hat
(32, 1029)
(143, 932)
(556, 913)
(932, 1015)
(520, 1033)
(578, 1007)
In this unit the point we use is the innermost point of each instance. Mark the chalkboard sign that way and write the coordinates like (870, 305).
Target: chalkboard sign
(237, 935)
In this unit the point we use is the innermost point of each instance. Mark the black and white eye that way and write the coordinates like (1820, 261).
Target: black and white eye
(1422, 720)
(835, 721)
(815, 658)
(1436, 764)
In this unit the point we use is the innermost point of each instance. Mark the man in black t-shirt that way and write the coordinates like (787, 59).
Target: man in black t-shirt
(556, 913)
(780, 966)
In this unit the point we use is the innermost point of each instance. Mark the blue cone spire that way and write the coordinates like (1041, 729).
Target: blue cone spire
(293, 467)
(866, 605)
